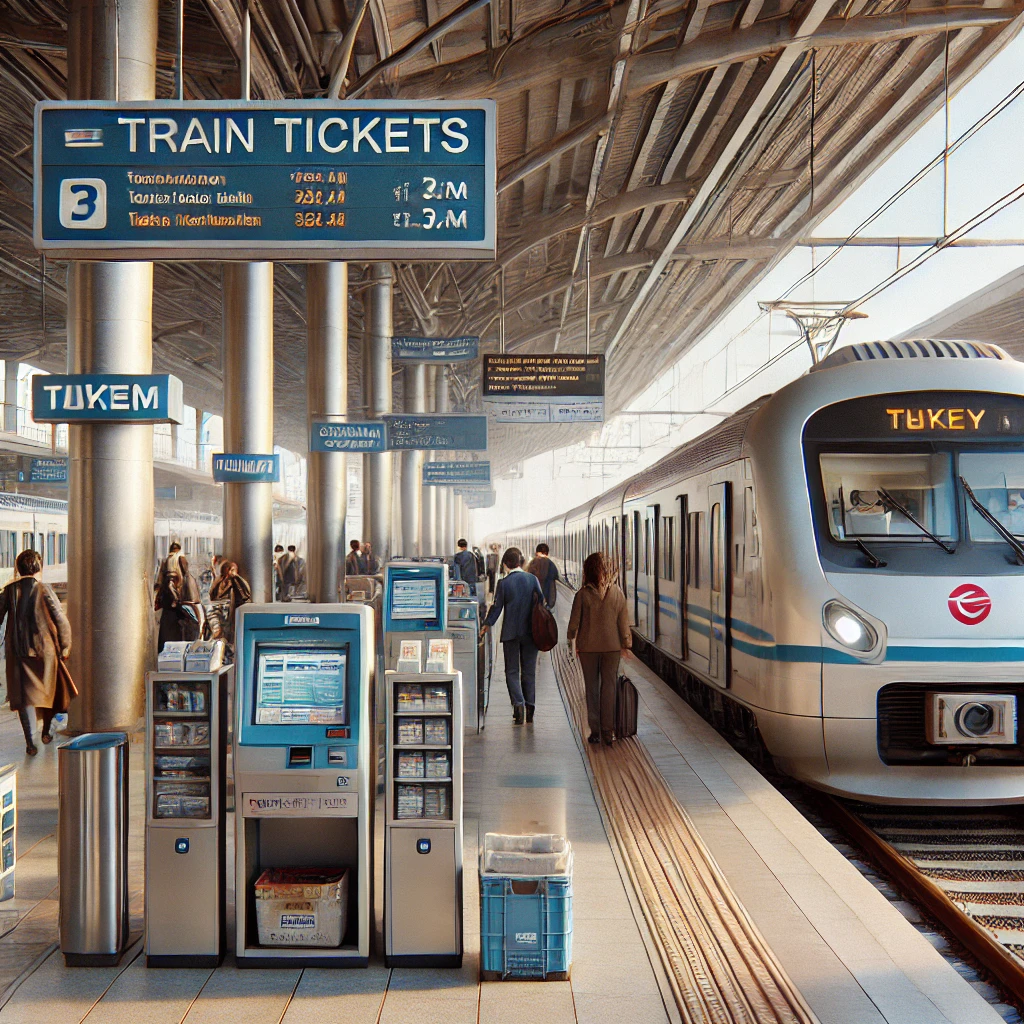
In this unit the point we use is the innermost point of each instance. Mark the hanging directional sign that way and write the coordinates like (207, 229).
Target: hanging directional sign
(425, 432)
(246, 469)
(477, 497)
(546, 388)
(266, 180)
(48, 471)
(370, 436)
(405, 349)
(446, 474)
(107, 398)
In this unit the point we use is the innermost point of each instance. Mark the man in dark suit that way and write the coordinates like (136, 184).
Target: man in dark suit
(515, 596)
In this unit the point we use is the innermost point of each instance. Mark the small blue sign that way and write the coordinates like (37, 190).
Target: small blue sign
(446, 474)
(425, 432)
(107, 398)
(423, 846)
(48, 471)
(477, 497)
(181, 845)
(246, 469)
(370, 436)
(434, 350)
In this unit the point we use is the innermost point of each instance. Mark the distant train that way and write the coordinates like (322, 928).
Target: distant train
(835, 574)
(28, 521)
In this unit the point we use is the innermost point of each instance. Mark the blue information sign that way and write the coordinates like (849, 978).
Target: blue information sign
(312, 179)
(425, 432)
(48, 471)
(477, 497)
(107, 398)
(246, 468)
(441, 474)
(348, 437)
(407, 349)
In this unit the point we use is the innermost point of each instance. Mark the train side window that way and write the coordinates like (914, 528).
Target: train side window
(750, 521)
(26, 541)
(51, 548)
(627, 527)
(616, 547)
(668, 548)
(62, 548)
(715, 545)
(701, 554)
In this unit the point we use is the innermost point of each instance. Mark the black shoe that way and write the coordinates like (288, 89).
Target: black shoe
(31, 750)
(46, 738)
(529, 713)
(518, 714)
(593, 738)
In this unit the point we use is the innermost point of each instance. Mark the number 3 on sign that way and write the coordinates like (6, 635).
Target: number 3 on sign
(83, 203)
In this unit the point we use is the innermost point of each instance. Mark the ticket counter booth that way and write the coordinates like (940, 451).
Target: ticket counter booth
(303, 792)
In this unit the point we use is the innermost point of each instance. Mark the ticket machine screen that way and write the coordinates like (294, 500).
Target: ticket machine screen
(300, 686)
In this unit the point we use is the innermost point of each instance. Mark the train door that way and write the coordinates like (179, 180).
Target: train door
(651, 553)
(682, 574)
(628, 562)
(642, 575)
(721, 578)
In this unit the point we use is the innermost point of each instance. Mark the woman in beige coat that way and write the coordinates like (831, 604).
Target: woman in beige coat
(38, 636)
(599, 624)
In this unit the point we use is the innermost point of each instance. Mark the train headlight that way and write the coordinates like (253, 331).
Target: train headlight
(848, 628)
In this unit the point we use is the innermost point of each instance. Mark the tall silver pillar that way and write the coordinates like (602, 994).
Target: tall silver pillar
(428, 495)
(11, 368)
(110, 471)
(377, 469)
(445, 497)
(249, 418)
(412, 464)
(326, 399)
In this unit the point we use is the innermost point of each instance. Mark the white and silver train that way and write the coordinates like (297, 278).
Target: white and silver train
(835, 574)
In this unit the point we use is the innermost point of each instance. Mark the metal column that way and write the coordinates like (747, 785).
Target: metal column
(377, 469)
(412, 464)
(111, 55)
(326, 399)
(428, 495)
(11, 368)
(442, 511)
(249, 418)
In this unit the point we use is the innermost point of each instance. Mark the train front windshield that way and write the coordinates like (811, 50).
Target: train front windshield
(887, 476)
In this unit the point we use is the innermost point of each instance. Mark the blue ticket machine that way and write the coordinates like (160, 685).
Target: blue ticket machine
(303, 796)
(415, 605)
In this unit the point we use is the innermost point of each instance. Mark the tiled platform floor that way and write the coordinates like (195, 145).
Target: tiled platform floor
(528, 774)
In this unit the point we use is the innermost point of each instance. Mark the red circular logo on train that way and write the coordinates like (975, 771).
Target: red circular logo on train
(969, 604)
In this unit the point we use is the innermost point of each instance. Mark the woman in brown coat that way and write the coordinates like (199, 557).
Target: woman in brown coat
(38, 636)
(599, 624)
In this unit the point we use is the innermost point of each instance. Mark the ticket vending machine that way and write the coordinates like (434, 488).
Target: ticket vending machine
(415, 605)
(303, 796)
(464, 629)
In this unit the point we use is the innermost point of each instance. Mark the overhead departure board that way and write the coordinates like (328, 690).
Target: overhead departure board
(551, 387)
(267, 180)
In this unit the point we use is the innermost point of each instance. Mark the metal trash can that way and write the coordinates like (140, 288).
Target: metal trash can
(92, 848)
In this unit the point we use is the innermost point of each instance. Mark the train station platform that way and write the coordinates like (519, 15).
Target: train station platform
(777, 925)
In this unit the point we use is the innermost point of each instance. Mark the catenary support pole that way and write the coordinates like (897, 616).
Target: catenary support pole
(111, 56)
(412, 464)
(377, 469)
(326, 399)
(428, 536)
(445, 498)
(249, 418)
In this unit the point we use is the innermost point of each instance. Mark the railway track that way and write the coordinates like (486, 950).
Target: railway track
(964, 868)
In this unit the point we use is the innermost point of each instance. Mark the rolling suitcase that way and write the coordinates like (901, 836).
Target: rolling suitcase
(625, 708)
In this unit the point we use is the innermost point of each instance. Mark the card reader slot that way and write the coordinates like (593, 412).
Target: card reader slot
(300, 757)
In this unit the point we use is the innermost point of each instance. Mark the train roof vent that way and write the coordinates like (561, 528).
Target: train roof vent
(919, 348)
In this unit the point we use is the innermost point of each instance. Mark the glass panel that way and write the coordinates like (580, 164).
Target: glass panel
(921, 483)
(997, 479)
(716, 548)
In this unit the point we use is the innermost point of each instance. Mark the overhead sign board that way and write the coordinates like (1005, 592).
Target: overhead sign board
(546, 388)
(266, 180)
(477, 497)
(107, 398)
(246, 469)
(447, 474)
(425, 432)
(406, 349)
(348, 437)
(48, 471)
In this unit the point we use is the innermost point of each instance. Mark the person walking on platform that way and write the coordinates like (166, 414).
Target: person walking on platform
(547, 572)
(355, 564)
(278, 585)
(599, 624)
(179, 604)
(289, 572)
(492, 567)
(230, 590)
(372, 561)
(37, 640)
(515, 595)
(465, 564)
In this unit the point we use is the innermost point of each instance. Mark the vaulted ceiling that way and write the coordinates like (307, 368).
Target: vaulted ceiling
(687, 143)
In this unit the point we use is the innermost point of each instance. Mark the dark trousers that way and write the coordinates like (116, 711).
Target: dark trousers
(521, 671)
(600, 671)
(27, 717)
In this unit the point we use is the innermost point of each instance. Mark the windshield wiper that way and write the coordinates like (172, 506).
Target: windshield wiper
(873, 560)
(888, 499)
(1018, 548)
